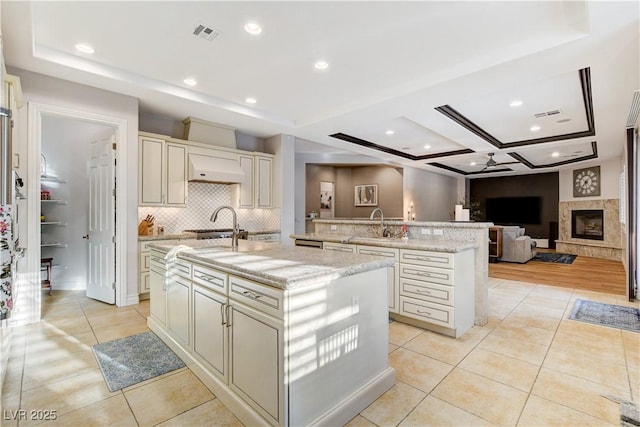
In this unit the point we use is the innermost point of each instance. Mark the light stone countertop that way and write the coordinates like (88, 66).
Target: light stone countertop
(284, 267)
(433, 224)
(172, 236)
(416, 244)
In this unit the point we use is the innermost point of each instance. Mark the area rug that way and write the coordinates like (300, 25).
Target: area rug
(130, 360)
(554, 257)
(613, 316)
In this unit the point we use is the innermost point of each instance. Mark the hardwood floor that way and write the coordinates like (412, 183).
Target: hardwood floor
(593, 274)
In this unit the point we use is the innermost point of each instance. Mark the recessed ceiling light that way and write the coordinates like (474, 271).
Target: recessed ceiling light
(555, 154)
(515, 103)
(85, 48)
(190, 82)
(534, 128)
(427, 147)
(390, 132)
(253, 28)
(250, 100)
(321, 65)
(472, 164)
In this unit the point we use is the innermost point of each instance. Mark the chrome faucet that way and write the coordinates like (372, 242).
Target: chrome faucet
(385, 231)
(235, 232)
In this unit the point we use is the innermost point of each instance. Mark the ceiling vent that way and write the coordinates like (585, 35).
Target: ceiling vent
(546, 114)
(207, 33)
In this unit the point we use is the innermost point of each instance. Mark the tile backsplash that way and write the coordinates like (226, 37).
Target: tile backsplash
(203, 199)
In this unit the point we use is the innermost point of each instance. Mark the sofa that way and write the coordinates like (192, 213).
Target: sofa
(516, 246)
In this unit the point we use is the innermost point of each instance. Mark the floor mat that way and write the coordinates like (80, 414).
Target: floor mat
(130, 360)
(614, 316)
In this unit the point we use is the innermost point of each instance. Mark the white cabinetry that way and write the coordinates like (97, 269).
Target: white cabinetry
(256, 191)
(178, 296)
(144, 263)
(162, 173)
(157, 288)
(437, 290)
(393, 271)
(339, 247)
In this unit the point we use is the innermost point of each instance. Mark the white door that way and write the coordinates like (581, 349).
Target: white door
(101, 235)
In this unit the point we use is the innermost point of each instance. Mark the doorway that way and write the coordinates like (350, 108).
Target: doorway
(36, 138)
(66, 148)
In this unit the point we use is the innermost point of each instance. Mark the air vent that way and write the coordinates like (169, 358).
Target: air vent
(634, 111)
(546, 114)
(207, 33)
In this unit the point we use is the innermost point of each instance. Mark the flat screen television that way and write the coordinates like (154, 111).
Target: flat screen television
(513, 210)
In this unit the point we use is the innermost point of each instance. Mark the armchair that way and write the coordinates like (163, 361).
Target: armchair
(516, 246)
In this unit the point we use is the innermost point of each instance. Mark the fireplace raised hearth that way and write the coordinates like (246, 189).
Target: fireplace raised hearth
(587, 224)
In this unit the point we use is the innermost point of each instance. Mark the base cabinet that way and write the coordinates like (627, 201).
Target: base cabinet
(332, 367)
(157, 295)
(257, 379)
(210, 338)
(437, 290)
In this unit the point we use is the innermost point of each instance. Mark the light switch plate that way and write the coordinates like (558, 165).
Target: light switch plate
(334, 227)
(438, 232)
(425, 231)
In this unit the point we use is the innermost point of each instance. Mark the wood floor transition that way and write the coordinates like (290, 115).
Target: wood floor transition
(593, 274)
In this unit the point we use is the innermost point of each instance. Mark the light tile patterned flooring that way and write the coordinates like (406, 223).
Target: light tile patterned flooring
(529, 366)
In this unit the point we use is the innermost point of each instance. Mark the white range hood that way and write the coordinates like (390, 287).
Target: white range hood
(214, 169)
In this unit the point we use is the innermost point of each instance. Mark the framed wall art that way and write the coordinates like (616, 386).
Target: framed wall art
(586, 182)
(366, 195)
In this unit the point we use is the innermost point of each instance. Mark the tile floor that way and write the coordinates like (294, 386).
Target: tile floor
(529, 366)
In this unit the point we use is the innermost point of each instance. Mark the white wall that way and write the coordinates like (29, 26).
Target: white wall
(609, 181)
(63, 94)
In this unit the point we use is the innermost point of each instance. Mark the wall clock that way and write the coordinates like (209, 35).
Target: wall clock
(586, 182)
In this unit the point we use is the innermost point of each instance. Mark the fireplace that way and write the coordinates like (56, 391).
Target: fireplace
(587, 224)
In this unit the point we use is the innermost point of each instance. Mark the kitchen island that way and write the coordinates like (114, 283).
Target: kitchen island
(281, 335)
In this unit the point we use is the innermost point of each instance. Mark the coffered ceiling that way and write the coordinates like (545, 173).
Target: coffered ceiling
(433, 85)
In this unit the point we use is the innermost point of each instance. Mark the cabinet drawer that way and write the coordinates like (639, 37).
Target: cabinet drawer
(265, 238)
(158, 266)
(145, 260)
(144, 282)
(180, 268)
(378, 251)
(261, 297)
(432, 292)
(209, 278)
(339, 247)
(428, 274)
(426, 258)
(437, 314)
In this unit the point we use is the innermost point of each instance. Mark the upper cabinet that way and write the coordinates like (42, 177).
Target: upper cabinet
(162, 177)
(256, 191)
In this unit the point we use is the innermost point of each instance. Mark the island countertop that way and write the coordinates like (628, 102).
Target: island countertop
(451, 246)
(283, 267)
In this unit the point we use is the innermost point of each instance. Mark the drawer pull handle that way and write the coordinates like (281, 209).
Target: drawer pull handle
(422, 273)
(251, 294)
(423, 291)
(428, 313)
(207, 278)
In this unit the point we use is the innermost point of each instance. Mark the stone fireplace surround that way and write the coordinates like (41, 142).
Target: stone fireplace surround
(608, 248)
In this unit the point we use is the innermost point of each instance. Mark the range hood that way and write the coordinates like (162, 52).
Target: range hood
(214, 169)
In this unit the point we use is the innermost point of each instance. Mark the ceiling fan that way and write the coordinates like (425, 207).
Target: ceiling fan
(491, 163)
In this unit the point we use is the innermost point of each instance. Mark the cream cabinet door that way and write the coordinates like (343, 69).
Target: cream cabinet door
(256, 361)
(157, 293)
(264, 185)
(151, 170)
(178, 309)
(246, 190)
(176, 175)
(210, 337)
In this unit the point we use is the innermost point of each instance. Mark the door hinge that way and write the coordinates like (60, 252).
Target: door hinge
(113, 239)
(113, 146)
(113, 285)
(113, 192)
